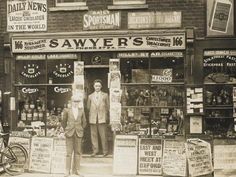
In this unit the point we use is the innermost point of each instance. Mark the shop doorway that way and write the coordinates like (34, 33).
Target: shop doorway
(92, 74)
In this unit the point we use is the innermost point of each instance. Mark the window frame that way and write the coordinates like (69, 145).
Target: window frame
(69, 4)
(129, 2)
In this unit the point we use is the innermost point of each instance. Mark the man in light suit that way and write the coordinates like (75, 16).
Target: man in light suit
(73, 123)
(98, 106)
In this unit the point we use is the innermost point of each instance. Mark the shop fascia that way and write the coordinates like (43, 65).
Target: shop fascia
(32, 44)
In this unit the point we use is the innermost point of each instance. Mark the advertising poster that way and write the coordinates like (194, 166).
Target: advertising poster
(162, 75)
(220, 17)
(58, 162)
(125, 155)
(195, 124)
(41, 154)
(199, 157)
(150, 156)
(174, 158)
(104, 19)
(26, 15)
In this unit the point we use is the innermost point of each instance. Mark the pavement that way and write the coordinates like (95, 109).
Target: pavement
(61, 175)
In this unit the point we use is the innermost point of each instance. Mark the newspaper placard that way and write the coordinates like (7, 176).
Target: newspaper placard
(174, 158)
(25, 142)
(225, 157)
(199, 157)
(114, 79)
(41, 154)
(125, 155)
(58, 162)
(115, 113)
(150, 156)
(26, 15)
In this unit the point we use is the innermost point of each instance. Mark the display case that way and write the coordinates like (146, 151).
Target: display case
(153, 93)
(43, 86)
(219, 70)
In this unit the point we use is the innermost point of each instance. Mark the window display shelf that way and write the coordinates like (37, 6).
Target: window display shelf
(219, 117)
(18, 85)
(96, 66)
(226, 83)
(219, 107)
(152, 107)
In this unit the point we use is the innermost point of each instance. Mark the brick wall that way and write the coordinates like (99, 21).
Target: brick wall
(193, 12)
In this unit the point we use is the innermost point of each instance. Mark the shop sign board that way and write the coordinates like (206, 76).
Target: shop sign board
(150, 156)
(169, 19)
(110, 43)
(41, 154)
(133, 55)
(62, 56)
(199, 157)
(26, 15)
(31, 57)
(166, 54)
(141, 20)
(219, 52)
(147, 20)
(104, 19)
(125, 155)
(174, 158)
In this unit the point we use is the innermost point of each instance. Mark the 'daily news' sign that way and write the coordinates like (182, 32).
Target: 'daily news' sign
(84, 44)
(95, 20)
(26, 15)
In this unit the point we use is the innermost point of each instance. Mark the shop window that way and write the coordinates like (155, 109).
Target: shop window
(60, 71)
(152, 93)
(128, 2)
(62, 3)
(30, 71)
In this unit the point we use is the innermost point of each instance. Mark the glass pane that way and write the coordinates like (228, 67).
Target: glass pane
(134, 70)
(31, 105)
(69, 1)
(60, 71)
(57, 99)
(126, 2)
(30, 72)
(167, 69)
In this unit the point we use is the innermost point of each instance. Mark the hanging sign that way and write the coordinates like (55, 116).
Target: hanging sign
(94, 20)
(199, 157)
(150, 156)
(174, 158)
(26, 15)
(111, 43)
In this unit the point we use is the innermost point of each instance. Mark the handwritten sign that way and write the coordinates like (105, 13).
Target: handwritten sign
(199, 157)
(125, 155)
(26, 15)
(150, 156)
(58, 162)
(41, 154)
(174, 158)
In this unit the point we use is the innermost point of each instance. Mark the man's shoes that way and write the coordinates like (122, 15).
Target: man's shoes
(93, 154)
(105, 154)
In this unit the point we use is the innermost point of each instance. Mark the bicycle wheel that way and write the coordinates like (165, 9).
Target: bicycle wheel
(14, 159)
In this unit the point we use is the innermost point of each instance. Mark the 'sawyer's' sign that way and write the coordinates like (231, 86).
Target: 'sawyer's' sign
(117, 43)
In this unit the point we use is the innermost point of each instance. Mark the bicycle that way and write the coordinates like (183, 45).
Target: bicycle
(13, 157)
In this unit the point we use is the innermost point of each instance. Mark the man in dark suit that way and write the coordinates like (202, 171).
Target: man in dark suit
(98, 106)
(73, 123)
